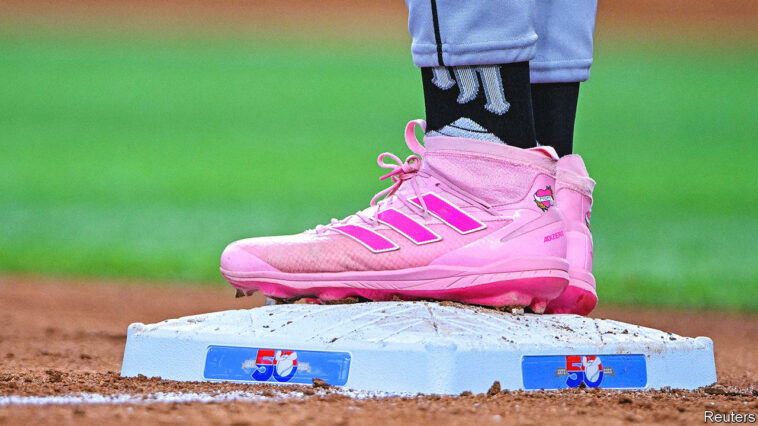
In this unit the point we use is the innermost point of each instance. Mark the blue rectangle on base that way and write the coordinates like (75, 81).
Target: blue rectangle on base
(570, 371)
(276, 365)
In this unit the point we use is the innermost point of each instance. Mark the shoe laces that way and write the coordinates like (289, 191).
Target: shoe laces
(404, 171)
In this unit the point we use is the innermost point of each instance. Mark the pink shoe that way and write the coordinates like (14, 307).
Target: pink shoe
(574, 198)
(475, 224)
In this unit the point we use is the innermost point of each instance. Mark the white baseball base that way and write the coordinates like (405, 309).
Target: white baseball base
(416, 347)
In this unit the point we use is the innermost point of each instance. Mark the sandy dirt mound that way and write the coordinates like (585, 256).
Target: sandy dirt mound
(62, 338)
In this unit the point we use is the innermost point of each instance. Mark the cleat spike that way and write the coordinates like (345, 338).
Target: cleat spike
(517, 310)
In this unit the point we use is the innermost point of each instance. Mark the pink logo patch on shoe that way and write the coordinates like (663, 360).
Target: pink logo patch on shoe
(544, 198)
(373, 241)
(449, 213)
(408, 227)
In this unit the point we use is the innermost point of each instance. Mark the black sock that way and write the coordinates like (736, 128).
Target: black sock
(554, 107)
(456, 96)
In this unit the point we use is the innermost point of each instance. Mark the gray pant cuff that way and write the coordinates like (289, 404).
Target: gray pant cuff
(487, 53)
(571, 71)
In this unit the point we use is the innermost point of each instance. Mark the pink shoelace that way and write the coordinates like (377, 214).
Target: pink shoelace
(402, 172)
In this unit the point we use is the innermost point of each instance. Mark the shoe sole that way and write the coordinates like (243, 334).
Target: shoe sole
(579, 298)
(531, 288)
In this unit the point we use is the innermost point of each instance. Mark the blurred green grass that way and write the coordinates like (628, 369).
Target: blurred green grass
(143, 157)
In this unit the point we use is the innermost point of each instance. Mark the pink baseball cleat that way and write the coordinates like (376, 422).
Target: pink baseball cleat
(574, 196)
(474, 222)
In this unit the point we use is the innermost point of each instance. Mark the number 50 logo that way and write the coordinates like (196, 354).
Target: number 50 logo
(587, 369)
(281, 364)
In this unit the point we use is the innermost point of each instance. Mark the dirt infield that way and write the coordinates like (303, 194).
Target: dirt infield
(61, 338)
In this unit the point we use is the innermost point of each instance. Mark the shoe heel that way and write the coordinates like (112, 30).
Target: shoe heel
(579, 298)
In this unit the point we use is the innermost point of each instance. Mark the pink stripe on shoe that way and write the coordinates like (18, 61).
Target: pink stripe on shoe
(449, 213)
(373, 241)
(405, 225)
